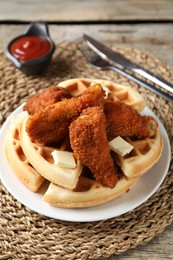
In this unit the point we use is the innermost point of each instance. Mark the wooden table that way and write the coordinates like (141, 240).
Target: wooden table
(147, 25)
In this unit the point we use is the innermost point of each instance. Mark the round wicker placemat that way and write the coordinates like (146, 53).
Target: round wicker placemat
(25, 234)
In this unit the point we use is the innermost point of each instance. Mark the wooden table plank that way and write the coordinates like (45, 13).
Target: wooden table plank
(148, 37)
(90, 10)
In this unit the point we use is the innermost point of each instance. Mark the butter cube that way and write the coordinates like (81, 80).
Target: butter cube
(64, 159)
(120, 146)
(107, 91)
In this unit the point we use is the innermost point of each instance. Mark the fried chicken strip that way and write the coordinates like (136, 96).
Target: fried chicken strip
(51, 124)
(123, 120)
(46, 97)
(89, 143)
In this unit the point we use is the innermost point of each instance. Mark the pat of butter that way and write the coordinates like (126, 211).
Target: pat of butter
(120, 146)
(64, 159)
(107, 91)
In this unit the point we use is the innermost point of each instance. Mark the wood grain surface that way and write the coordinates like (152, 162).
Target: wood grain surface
(97, 10)
(145, 24)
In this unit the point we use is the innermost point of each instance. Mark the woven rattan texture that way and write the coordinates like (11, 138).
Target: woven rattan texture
(25, 234)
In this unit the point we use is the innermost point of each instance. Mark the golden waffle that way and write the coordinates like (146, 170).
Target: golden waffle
(118, 92)
(145, 154)
(17, 159)
(41, 159)
(89, 193)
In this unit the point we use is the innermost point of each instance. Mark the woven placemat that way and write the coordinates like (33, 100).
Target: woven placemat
(24, 234)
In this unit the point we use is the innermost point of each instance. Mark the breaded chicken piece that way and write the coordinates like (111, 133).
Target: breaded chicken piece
(122, 120)
(51, 124)
(46, 97)
(89, 143)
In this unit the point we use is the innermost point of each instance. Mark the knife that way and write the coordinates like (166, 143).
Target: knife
(123, 63)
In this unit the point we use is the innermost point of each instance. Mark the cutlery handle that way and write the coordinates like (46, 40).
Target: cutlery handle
(143, 83)
(152, 77)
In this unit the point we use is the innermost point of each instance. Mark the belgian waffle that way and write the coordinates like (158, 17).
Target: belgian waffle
(41, 159)
(17, 159)
(88, 193)
(118, 92)
(145, 154)
(70, 188)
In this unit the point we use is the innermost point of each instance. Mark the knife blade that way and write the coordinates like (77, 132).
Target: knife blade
(123, 63)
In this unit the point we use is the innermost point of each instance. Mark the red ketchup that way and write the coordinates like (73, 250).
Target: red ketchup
(29, 47)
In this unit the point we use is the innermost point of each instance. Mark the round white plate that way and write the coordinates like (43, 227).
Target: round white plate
(139, 193)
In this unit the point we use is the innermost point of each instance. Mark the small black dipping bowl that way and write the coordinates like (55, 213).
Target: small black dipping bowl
(36, 65)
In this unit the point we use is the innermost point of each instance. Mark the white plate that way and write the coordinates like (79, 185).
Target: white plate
(139, 193)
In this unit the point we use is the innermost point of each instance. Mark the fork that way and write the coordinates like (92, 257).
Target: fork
(103, 64)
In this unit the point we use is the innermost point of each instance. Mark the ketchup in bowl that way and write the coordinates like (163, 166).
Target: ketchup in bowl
(31, 52)
(29, 47)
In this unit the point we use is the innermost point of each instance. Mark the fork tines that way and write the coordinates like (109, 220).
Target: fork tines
(87, 52)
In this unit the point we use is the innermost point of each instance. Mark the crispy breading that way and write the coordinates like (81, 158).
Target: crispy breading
(89, 143)
(122, 120)
(51, 124)
(46, 97)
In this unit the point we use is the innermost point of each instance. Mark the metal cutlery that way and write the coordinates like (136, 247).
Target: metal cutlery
(122, 62)
(100, 63)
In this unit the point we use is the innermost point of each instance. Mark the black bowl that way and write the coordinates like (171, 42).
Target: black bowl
(34, 66)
